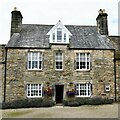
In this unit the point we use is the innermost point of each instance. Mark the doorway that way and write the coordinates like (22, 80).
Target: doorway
(59, 93)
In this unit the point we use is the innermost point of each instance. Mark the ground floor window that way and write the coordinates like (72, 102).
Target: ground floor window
(83, 89)
(34, 90)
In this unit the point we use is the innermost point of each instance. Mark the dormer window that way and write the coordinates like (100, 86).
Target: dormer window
(53, 37)
(64, 37)
(59, 34)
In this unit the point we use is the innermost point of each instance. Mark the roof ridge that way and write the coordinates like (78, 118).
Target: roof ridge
(64, 25)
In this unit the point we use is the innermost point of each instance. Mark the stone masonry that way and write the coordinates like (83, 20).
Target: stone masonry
(2, 68)
(101, 72)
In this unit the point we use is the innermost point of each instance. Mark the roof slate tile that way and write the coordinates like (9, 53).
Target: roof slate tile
(35, 36)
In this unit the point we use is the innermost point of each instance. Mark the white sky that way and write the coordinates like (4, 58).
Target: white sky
(70, 12)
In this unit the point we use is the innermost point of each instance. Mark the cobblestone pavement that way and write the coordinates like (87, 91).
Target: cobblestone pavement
(100, 111)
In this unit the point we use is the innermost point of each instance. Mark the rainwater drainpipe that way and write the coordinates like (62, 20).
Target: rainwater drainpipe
(5, 74)
(115, 75)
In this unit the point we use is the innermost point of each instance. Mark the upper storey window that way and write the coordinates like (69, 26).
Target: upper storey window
(82, 61)
(34, 61)
(59, 34)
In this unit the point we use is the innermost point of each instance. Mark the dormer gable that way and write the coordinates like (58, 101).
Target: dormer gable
(59, 34)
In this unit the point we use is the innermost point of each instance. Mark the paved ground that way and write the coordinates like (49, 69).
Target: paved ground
(102, 111)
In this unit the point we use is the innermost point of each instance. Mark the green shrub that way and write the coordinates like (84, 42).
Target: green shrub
(47, 103)
(88, 101)
(96, 101)
(83, 101)
(34, 102)
(71, 103)
(108, 101)
(65, 103)
(26, 103)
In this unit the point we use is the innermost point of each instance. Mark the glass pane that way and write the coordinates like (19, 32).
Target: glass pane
(40, 65)
(29, 56)
(59, 35)
(40, 56)
(58, 56)
(77, 65)
(34, 64)
(53, 37)
(87, 65)
(29, 64)
(64, 37)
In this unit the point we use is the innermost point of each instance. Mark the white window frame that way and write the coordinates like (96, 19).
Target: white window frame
(59, 35)
(32, 88)
(64, 36)
(107, 88)
(54, 30)
(85, 59)
(39, 60)
(57, 59)
(86, 88)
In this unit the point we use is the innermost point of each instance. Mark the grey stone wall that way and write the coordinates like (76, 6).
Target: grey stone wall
(115, 40)
(118, 79)
(2, 68)
(101, 72)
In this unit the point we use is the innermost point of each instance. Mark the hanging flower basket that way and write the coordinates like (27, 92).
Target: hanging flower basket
(48, 90)
(71, 90)
(71, 93)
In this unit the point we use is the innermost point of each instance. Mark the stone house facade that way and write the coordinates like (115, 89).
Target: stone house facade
(68, 60)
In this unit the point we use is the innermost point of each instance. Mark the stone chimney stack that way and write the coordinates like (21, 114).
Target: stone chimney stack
(102, 22)
(16, 21)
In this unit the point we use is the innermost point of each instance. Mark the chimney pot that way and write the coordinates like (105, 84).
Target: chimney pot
(100, 11)
(103, 10)
(15, 8)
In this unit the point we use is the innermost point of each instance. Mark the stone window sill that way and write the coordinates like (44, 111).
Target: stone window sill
(31, 70)
(85, 70)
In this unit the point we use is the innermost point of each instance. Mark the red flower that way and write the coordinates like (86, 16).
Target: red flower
(48, 91)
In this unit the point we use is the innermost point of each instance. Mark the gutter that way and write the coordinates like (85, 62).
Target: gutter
(5, 75)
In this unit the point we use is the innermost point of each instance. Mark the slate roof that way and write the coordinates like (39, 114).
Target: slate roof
(35, 36)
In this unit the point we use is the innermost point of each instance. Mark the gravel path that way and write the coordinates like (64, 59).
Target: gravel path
(102, 111)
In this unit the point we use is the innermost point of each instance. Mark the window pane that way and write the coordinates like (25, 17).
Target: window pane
(40, 64)
(59, 60)
(34, 64)
(64, 37)
(77, 65)
(34, 60)
(53, 37)
(59, 35)
(34, 90)
(29, 56)
(83, 89)
(29, 64)
(40, 56)
(82, 61)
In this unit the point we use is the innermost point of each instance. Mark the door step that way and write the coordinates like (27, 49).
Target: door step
(59, 104)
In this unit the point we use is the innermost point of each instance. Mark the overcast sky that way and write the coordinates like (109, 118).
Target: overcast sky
(70, 12)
